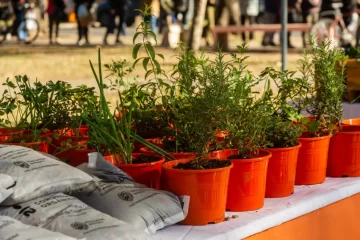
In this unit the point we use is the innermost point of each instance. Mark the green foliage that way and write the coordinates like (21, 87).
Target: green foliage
(106, 133)
(283, 128)
(353, 52)
(37, 107)
(324, 70)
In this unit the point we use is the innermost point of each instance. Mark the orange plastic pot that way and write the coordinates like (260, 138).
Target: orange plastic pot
(57, 143)
(280, 180)
(207, 190)
(38, 146)
(312, 160)
(247, 180)
(75, 157)
(144, 173)
(179, 155)
(344, 155)
(351, 124)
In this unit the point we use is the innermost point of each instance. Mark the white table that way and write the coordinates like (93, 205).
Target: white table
(276, 211)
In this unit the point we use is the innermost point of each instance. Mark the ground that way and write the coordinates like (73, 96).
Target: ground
(70, 63)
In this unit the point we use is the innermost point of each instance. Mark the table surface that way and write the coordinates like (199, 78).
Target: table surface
(275, 212)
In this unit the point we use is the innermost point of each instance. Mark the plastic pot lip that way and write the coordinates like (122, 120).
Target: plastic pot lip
(284, 149)
(137, 165)
(347, 133)
(168, 166)
(347, 122)
(147, 150)
(255, 159)
(312, 139)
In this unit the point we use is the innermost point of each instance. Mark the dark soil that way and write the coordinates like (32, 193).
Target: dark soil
(238, 157)
(203, 164)
(145, 159)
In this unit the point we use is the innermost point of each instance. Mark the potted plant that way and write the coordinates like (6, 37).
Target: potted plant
(323, 101)
(20, 116)
(48, 108)
(281, 134)
(115, 139)
(196, 115)
(246, 122)
(344, 150)
(352, 73)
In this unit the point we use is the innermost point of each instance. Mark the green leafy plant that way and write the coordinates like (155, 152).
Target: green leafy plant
(32, 109)
(324, 70)
(108, 134)
(283, 129)
(353, 52)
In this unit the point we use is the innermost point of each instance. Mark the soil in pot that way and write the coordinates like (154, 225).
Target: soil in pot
(203, 164)
(207, 189)
(344, 155)
(176, 155)
(280, 180)
(247, 180)
(312, 160)
(145, 169)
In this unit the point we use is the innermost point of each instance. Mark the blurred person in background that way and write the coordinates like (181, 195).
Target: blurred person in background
(181, 8)
(249, 11)
(272, 15)
(294, 11)
(56, 13)
(155, 13)
(83, 31)
(166, 14)
(210, 21)
(260, 16)
(310, 14)
(120, 9)
(227, 12)
(106, 16)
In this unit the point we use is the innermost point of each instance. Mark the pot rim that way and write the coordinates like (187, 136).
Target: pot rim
(350, 119)
(135, 165)
(192, 171)
(255, 159)
(284, 149)
(348, 133)
(309, 139)
(145, 150)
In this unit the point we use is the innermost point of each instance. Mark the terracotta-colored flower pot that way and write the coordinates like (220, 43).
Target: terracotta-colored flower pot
(312, 160)
(75, 157)
(179, 155)
(207, 190)
(247, 180)
(280, 180)
(344, 155)
(351, 124)
(38, 146)
(144, 173)
(41, 146)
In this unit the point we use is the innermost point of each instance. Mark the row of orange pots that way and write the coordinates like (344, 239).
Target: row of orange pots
(244, 185)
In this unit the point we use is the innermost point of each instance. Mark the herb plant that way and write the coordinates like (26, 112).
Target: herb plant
(108, 134)
(324, 70)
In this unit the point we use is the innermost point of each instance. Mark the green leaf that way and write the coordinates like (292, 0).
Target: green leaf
(157, 65)
(135, 36)
(145, 62)
(136, 50)
(160, 55)
(153, 35)
(150, 49)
